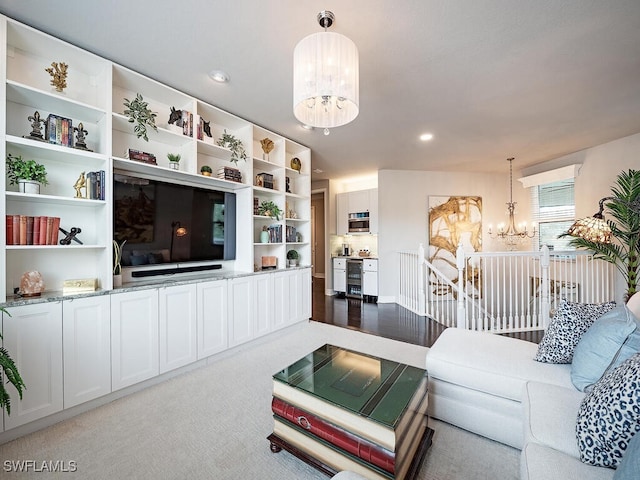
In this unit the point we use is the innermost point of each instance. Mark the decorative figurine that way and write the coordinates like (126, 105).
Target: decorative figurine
(80, 134)
(288, 188)
(31, 284)
(58, 72)
(267, 146)
(175, 117)
(206, 128)
(36, 127)
(296, 164)
(70, 235)
(79, 185)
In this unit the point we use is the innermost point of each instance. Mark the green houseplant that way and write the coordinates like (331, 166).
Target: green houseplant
(174, 160)
(235, 145)
(8, 371)
(139, 113)
(20, 171)
(624, 250)
(267, 208)
(206, 170)
(293, 256)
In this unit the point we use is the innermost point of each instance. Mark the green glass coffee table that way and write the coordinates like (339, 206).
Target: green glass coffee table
(338, 409)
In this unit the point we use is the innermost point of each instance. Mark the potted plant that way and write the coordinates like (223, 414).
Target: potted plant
(269, 209)
(235, 145)
(139, 113)
(206, 170)
(8, 374)
(117, 263)
(174, 160)
(27, 174)
(293, 256)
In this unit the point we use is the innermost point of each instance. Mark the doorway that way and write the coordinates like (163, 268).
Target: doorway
(318, 234)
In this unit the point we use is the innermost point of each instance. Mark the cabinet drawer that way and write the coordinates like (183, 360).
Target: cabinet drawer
(340, 263)
(370, 265)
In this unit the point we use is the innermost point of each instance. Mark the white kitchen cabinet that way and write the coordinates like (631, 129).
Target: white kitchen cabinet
(373, 211)
(177, 326)
(134, 337)
(359, 201)
(370, 278)
(339, 275)
(241, 307)
(342, 213)
(304, 281)
(263, 304)
(86, 340)
(212, 318)
(33, 338)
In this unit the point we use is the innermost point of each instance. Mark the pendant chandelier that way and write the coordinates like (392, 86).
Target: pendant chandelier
(508, 233)
(325, 78)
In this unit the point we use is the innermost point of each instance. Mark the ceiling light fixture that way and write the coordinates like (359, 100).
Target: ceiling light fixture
(425, 137)
(219, 76)
(325, 78)
(508, 233)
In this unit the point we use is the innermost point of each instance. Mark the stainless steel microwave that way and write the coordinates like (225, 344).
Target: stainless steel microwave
(359, 222)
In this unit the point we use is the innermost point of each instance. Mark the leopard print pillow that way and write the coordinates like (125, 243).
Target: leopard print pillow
(566, 328)
(609, 416)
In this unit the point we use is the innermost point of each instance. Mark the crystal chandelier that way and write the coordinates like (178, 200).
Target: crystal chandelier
(325, 78)
(508, 233)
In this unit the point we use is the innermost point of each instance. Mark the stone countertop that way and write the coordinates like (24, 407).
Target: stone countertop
(355, 257)
(157, 282)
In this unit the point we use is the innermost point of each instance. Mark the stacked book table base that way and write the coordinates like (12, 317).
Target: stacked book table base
(337, 409)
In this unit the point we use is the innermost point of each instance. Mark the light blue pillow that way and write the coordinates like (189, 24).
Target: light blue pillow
(629, 468)
(612, 338)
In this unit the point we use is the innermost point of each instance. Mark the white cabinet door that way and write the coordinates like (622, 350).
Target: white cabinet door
(177, 326)
(212, 318)
(241, 307)
(339, 275)
(370, 277)
(33, 338)
(342, 213)
(86, 336)
(305, 294)
(263, 301)
(134, 337)
(281, 293)
(358, 201)
(373, 210)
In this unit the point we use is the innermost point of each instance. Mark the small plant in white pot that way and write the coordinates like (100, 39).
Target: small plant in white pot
(27, 174)
(174, 160)
(293, 256)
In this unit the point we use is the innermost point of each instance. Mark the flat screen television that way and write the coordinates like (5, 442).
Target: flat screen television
(172, 224)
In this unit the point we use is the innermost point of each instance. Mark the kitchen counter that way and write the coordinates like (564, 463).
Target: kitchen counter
(355, 257)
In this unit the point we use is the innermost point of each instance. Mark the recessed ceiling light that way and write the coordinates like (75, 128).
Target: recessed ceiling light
(317, 170)
(307, 127)
(425, 137)
(219, 76)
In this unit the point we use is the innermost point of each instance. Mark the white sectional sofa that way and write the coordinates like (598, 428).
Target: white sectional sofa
(491, 385)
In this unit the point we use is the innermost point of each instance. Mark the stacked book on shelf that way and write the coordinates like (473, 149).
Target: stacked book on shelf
(256, 206)
(32, 230)
(264, 180)
(290, 234)
(187, 123)
(275, 233)
(230, 173)
(144, 157)
(353, 412)
(59, 130)
(95, 185)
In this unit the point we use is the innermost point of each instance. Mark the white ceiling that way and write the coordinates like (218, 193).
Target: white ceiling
(491, 79)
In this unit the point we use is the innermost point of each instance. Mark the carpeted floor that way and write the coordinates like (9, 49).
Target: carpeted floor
(212, 423)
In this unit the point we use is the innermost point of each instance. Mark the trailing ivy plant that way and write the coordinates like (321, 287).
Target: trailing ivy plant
(624, 250)
(139, 113)
(229, 141)
(8, 374)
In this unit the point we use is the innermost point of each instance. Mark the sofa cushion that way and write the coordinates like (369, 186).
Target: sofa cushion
(550, 415)
(612, 338)
(538, 462)
(567, 326)
(629, 468)
(609, 415)
(490, 363)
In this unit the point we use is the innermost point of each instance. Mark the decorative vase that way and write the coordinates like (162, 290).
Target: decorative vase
(264, 237)
(174, 165)
(28, 186)
(117, 281)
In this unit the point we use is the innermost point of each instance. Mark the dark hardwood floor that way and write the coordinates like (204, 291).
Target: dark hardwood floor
(385, 319)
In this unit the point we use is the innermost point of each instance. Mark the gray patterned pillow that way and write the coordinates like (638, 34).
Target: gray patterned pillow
(566, 328)
(609, 416)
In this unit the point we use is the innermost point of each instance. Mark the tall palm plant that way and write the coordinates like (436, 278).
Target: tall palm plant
(624, 250)
(9, 370)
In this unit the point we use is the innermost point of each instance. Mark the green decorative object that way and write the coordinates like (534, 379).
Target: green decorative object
(8, 374)
(235, 145)
(19, 169)
(206, 170)
(139, 113)
(293, 256)
(269, 209)
(174, 160)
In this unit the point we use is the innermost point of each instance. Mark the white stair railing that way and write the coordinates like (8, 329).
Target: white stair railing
(502, 291)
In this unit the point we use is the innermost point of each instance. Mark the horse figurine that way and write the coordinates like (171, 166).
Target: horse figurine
(175, 117)
(206, 127)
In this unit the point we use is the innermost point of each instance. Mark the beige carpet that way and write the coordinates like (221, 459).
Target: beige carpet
(212, 423)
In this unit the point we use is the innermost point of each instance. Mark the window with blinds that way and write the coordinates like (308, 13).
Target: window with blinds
(553, 208)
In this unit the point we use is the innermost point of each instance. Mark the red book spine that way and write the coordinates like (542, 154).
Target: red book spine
(36, 230)
(9, 238)
(16, 229)
(43, 230)
(48, 234)
(54, 230)
(23, 229)
(367, 451)
(29, 230)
